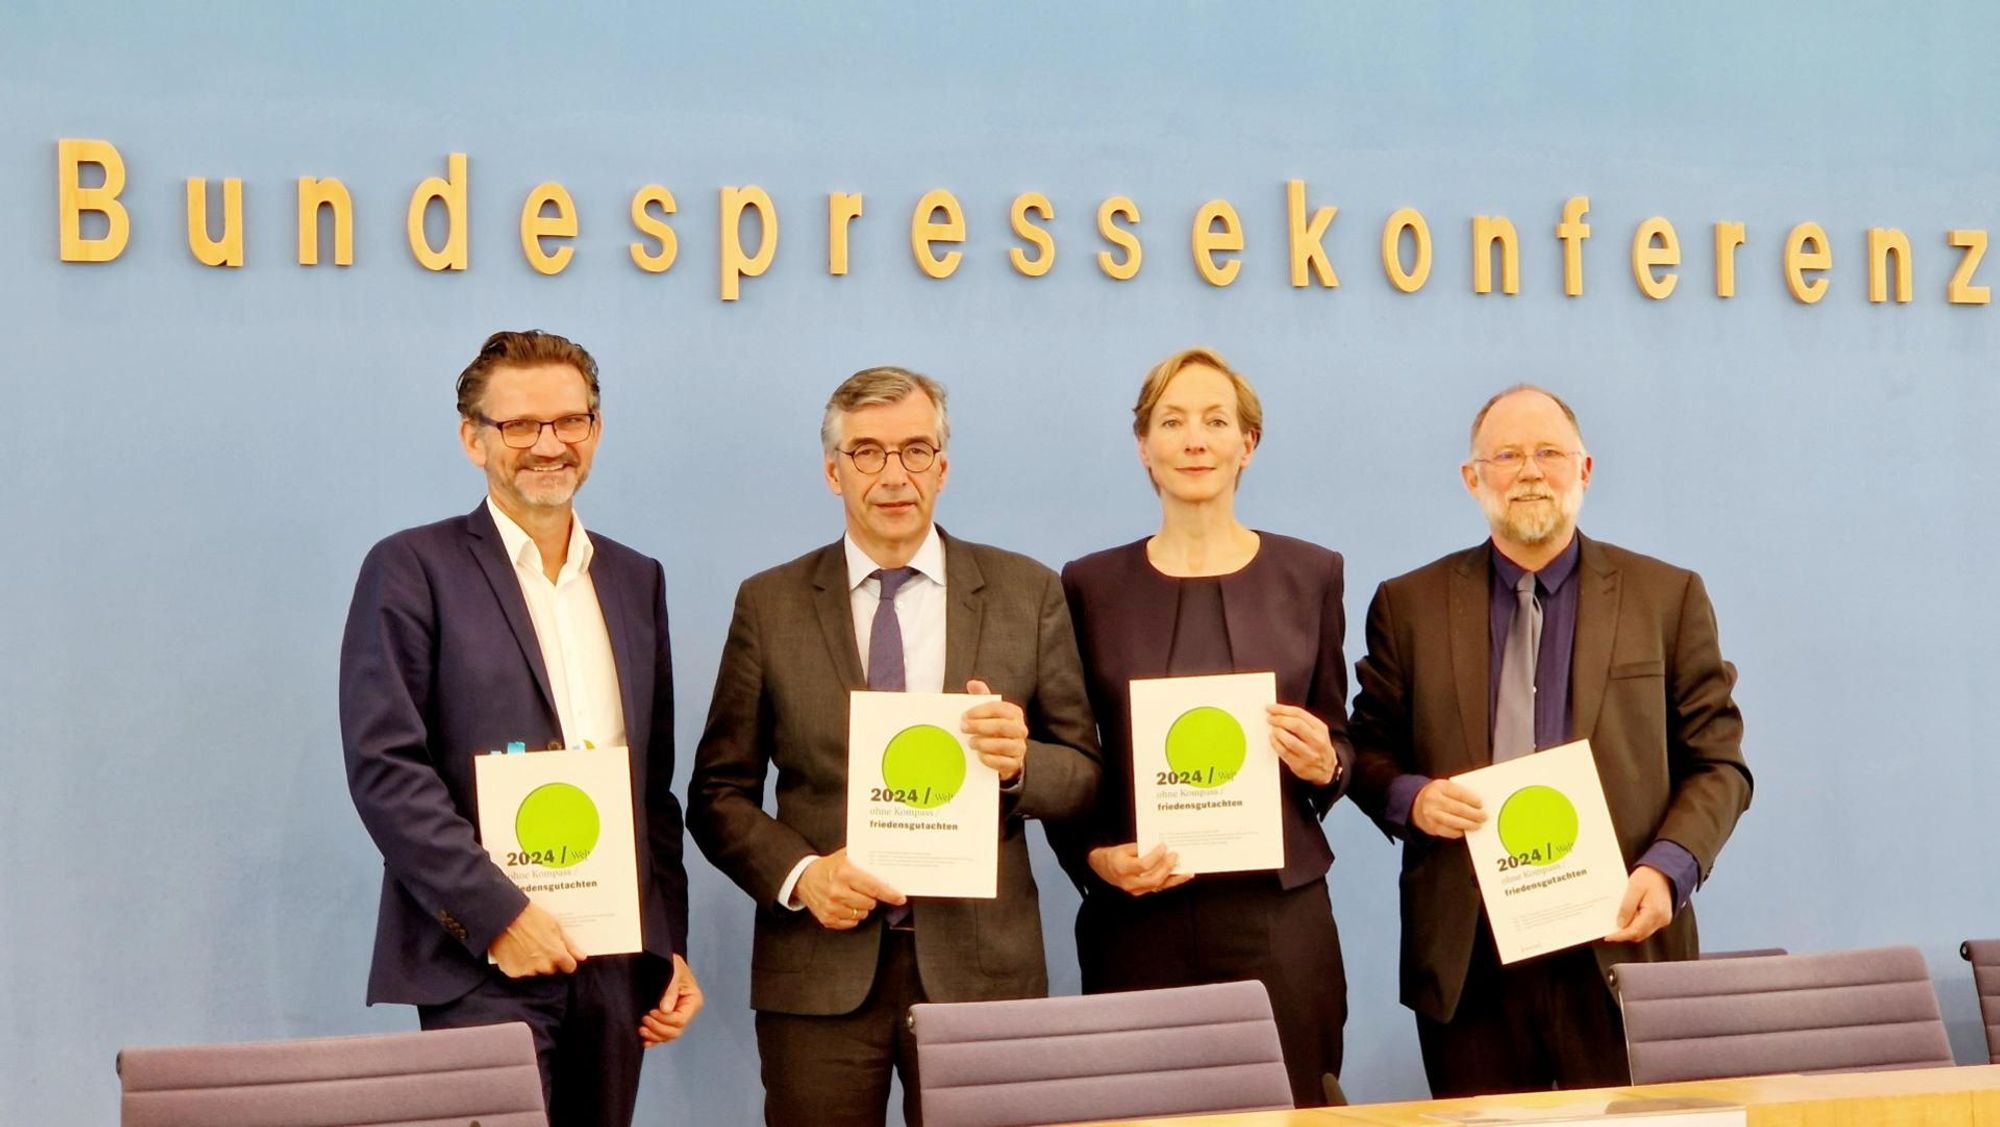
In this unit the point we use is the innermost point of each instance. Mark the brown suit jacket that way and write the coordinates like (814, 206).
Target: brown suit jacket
(1648, 687)
(781, 700)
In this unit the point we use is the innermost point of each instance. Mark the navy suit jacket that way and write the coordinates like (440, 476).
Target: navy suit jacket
(439, 664)
(1284, 614)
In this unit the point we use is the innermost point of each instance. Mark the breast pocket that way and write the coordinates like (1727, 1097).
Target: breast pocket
(1651, 667)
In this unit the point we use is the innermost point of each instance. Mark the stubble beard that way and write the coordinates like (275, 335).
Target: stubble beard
(546, 490)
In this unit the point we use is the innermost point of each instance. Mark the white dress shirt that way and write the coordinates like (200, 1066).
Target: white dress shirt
(920, 603)
(569, 625)
(920, 613)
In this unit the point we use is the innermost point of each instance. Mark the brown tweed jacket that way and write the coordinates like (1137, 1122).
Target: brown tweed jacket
(781, 701)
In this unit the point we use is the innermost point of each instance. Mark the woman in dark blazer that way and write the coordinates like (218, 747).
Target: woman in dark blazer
(1207, 595)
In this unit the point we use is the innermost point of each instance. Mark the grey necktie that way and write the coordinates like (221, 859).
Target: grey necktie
(885, 634)
(1514, 712)
(885, 671)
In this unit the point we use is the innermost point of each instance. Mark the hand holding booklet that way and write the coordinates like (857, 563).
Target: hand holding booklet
(1204, 774)
(559, 824)
(923, 811)
(1550, 870)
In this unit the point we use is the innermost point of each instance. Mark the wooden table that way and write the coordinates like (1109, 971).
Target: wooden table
(1932, 1097)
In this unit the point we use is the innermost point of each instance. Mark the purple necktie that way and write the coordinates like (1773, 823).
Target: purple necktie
(885, 634)
(885, 670)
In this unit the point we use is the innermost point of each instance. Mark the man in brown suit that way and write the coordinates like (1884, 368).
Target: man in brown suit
(839, 956)
(1618, 648)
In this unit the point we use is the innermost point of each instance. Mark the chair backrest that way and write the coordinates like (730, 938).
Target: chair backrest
(1745, 953)
(1838, 1011)
(1100, 1056)
(448, 1076)
(1984, 955)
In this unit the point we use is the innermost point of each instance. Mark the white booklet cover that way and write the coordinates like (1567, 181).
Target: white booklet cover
(1547, 858)
(559, 824)
(923, 812)
(1204, 774)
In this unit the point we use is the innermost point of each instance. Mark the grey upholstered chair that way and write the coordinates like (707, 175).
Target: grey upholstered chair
(1838, 1011)
(1984, 955)
(1099, 1056)
(1745, 953)
(449, 1076)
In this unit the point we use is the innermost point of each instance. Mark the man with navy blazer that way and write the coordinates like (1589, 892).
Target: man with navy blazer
(512, 625)
(1534, 638)
(839, 956)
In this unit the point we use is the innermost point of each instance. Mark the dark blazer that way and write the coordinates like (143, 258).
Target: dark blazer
(1648, 687)
(1284, 614)
(781, 700)
(440, 664)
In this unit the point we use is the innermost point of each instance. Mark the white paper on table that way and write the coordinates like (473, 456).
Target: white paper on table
(1641, 1111)
(923, 813)
(1212, 796)
(559, 824)
(1544, 893)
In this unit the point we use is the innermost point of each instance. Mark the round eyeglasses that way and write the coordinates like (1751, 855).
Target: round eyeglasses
(871, 459)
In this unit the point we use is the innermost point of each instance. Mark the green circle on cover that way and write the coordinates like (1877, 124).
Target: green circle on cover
(1206, 746)
(1538, 823)
(557, 824)
(924, 765)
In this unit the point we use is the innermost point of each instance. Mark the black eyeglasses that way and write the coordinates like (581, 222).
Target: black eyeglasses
(521, 434)
(872, 459)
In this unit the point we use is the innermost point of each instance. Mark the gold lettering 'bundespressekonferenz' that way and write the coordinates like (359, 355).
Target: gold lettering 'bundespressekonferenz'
(94, 225)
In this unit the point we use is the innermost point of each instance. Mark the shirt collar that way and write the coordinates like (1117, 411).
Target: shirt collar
(1553, 574)
(928, 562)
(522, 551)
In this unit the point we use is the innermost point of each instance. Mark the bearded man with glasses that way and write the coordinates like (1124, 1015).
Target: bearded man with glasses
(894, 604)
(1535, 638)
(513, 626)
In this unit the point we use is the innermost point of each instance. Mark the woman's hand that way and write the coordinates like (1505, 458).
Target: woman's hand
(1121, 867)
(1304, 743)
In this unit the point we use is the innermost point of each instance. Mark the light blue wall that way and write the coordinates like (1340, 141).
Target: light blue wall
(200, 457)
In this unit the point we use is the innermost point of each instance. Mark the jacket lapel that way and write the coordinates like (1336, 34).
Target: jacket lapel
(1469, 594)
(965, 613)
(1137, 616)
(1596, 628)
(831, 600)
(486, 547)
(1247, 611)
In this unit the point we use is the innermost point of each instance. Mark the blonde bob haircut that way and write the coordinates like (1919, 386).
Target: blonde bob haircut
(1249, 409)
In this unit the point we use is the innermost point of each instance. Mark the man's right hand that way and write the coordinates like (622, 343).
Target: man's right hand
(535, 943)
(1445, 809)
(1121, 867)
(841, 893)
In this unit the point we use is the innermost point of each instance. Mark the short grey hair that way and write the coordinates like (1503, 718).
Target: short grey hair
(1472, 442)
(879, 387)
